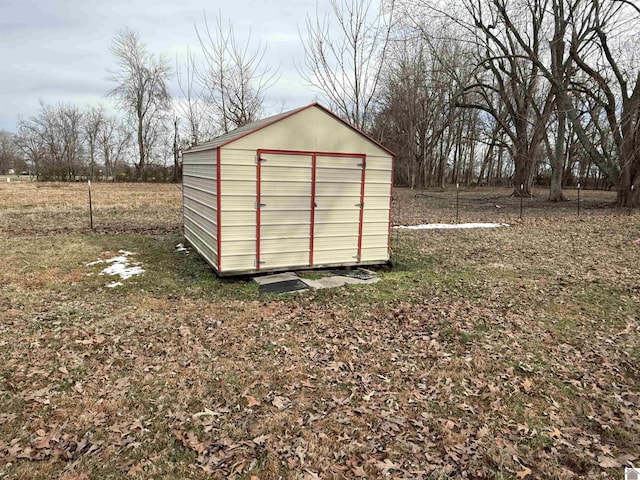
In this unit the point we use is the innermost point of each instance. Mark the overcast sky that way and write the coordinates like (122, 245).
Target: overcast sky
(58, 50)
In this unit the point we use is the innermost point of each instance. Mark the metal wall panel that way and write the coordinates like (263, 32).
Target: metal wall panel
(237, 209)
(310, 130)
(338, 196)
(284, 199)
(285, 220)
(375, 223)
(199, 192)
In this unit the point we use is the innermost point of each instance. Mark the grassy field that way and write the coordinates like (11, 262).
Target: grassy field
(502, 353)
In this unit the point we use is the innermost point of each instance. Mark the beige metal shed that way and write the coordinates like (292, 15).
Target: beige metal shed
(301, 189)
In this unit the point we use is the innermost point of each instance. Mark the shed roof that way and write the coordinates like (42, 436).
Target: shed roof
(252, 127)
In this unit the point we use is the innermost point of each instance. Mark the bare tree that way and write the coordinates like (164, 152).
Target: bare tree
(505, 85)
(612, 83)
(344, 60)
(192, 106)
(8, 152)
(141, 90)
(114, 141)
(416, 116)
(234, 74)
(53, 141)
(618, 89)
(30, 145)
(91, 126)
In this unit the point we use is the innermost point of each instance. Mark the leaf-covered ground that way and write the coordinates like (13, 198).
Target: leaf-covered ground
(506, 353)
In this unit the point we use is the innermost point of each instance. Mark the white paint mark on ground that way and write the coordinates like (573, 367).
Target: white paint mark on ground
(119, 266)
(451, 226)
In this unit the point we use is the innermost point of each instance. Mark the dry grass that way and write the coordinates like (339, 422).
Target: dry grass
(507, 353)
(495, 205)
(52, 208)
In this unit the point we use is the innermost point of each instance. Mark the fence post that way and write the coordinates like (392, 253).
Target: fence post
(457, 203)
(90, 206)
(521, 195)
(578, 199)
(631, 199)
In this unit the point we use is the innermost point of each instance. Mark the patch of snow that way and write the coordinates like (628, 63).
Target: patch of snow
(181, 248)
(119, 259)
(123, 270)
(451, 226)
(119, 266)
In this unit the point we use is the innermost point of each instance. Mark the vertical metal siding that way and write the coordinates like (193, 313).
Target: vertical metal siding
(337, 214)
(375, 235)
(237, 209)
(284, 195)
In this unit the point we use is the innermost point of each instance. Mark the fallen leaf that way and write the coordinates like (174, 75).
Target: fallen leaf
(359, 471)
(252, 402)
(261, 439)
(386, 466)
(280, 402)
(134, 470)
(524, 473)
(555, 433)
(608, 462)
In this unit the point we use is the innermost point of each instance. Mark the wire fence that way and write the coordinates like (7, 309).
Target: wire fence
(497, 205)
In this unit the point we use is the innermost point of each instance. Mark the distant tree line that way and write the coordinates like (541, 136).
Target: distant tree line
(475, 92)
(223, 90)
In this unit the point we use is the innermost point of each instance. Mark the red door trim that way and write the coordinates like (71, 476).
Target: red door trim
(313, 208)
(218, 212)
(393, 159)
(364, 168)
(313, 156)
(309, 152)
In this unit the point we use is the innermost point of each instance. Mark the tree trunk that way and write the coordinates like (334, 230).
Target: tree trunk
(555, 191)
(524, 165)
(559, 71)
(628, 197)
(557, 157)
(141, 164)
(176, 152)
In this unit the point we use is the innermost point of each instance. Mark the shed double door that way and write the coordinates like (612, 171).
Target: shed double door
(309, 208)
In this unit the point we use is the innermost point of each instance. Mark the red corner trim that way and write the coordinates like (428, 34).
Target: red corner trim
(393, 159)
(218, 212)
